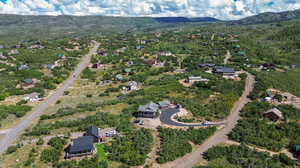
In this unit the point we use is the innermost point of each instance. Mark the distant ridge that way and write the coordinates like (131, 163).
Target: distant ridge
(185, 19)
(269, 17)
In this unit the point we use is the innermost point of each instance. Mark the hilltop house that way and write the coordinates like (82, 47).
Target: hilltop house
(149, 110)
(225, 71)
(274, 114)
(33, 97)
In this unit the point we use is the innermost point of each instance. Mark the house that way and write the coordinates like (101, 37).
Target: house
(207, 65)
(50, 66)
(297, 149)
(164, 104)
(151, 62)
(132, 85)
(93, 131)
(107, 132)
(33, 97)
(225, 71)
(164, 53)
(28, 82)
(149, 110)
(267, 66)
(81, 146)
(13, 52)
(61, 56)
(274, 114)
(193, 79)
(23, 67)
(119, 77)
(128, 70)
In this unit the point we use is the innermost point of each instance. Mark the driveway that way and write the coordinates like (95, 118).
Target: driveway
(191, 159)
(17, 130)
(167, 115)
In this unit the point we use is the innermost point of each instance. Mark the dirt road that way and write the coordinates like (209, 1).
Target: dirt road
(191, 159)
(17, 130)
(227, 57)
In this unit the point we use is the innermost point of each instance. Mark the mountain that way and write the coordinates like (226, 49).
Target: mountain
(184, 19)
(269, 17)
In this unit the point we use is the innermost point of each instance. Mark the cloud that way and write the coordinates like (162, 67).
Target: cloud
(221, 9)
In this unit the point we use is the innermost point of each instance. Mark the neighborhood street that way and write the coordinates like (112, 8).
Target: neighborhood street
(17, 130)
(191, 159)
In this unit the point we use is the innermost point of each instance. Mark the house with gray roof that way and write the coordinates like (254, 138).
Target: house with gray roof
(81, 146)
(149, 110)
(193, 79)
(93, 131)
(164, 104)
(225, 71)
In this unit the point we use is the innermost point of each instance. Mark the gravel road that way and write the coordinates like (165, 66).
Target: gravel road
(17, 130)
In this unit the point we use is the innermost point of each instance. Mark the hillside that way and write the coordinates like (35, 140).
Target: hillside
(269, 17)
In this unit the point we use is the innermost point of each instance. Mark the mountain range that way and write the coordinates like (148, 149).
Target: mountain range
(55, 26)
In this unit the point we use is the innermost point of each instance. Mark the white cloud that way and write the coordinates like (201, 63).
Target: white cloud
(221, 9)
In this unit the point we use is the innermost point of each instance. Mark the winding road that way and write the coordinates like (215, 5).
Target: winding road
(191, 159)
(17, 130)
(166, 117)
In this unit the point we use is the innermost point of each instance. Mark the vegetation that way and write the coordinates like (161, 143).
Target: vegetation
(255, 129)
(175, 143)
(131, 149)
(243, 157)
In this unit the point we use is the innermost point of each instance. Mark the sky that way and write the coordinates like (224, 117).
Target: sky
(220, 9)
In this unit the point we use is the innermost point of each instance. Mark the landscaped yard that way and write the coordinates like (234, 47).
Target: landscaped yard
(100, 152)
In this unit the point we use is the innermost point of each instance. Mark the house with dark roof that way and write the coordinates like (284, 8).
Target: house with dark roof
(273, 114)
(149, 110)
(207, 65)
(81, 146)
(27, 82)
(225, 71)
(93, 131)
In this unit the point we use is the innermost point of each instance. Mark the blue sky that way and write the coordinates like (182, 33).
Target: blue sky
(221, 9)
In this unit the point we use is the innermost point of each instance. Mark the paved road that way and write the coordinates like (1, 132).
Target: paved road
(16, 131)
(166, 118)
(191, 159)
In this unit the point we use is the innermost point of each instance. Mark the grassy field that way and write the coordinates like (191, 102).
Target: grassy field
(100, 152)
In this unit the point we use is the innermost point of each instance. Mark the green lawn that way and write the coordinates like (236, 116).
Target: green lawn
(100, 152)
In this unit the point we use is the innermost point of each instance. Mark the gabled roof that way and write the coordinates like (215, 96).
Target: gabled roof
(92, 131)
(150, 107)
(82, 144)
(164, 103)
(28, 81)
(33, 95)
(275, 111)
(220, 69)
